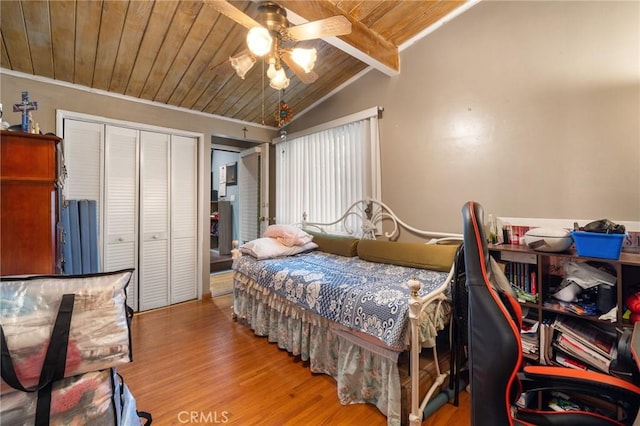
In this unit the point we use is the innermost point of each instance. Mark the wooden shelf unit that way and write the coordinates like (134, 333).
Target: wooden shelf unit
(627, 272)
(29, 201)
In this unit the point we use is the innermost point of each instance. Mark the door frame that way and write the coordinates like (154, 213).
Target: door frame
(264, 194)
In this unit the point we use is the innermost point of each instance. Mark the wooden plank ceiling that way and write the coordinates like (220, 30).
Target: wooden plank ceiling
(176, 52)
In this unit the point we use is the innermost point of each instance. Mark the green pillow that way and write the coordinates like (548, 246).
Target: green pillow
(336, 244)
(416, 255)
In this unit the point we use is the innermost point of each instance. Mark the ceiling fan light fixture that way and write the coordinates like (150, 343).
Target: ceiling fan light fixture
(259, 41)
(242, 63)
(271, 71)
(279, 81)
(306, 58)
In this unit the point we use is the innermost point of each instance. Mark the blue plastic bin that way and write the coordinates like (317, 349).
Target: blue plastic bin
(594, 244)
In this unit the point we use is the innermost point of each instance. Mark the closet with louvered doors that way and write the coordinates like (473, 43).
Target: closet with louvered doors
(146, 181)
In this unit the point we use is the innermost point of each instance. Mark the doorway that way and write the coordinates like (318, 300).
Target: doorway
(223, 208)
(239, 196)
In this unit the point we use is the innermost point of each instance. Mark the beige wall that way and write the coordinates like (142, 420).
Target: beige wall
(51, 97)
(530, 108)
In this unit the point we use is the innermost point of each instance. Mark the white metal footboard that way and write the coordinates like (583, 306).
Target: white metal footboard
(417, 305)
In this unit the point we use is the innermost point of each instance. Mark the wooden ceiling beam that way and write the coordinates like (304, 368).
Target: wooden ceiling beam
(364, 44)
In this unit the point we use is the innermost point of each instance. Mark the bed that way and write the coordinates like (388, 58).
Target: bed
(351, 305)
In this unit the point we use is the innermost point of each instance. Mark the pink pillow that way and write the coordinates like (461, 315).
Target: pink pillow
(288, 235)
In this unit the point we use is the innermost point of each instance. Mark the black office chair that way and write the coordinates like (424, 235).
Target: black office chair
(496, 371)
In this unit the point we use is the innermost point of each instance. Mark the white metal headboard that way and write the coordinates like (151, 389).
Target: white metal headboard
(371, 214)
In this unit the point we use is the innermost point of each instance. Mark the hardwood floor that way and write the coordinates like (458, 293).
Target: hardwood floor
(192, 364)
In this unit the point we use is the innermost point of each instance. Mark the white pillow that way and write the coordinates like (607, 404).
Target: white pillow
(288, 235)
(267, 248)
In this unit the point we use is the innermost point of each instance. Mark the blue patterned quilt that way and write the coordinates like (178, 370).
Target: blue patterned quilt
(365, 296)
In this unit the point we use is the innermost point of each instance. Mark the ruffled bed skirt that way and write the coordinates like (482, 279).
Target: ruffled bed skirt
(363, 374)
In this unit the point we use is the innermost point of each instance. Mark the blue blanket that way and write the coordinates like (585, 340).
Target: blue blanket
(364, 296)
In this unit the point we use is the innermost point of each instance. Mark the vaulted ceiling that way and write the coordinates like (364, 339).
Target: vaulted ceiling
(177, 52)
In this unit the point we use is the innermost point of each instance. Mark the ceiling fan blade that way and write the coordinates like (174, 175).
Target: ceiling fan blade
(306, 78)
(233, 13)
(327, 27)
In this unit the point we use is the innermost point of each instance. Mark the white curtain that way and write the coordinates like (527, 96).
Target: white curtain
(323, 172)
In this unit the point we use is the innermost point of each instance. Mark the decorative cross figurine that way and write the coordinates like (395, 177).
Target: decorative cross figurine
(25, 106)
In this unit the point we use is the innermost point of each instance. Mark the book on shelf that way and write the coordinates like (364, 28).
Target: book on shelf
(529, 326)
(522, 276)
(581, 352)
(589, 334)
(570, 362)
(529, 336)
(546, 334)
(529, 347)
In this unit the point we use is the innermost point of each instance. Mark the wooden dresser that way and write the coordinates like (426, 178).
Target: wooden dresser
(28, 204)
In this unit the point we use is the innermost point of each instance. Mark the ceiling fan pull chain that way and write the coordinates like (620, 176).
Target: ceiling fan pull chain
(277, 115)
(263, 91)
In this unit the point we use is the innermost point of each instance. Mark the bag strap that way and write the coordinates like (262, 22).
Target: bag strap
(146, 416)
(7, 371)
(55, 359)
(53, 365)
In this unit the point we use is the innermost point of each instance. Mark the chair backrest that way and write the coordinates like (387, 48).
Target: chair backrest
(495, 352)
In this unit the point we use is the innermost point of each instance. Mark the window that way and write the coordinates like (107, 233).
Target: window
(327, 169)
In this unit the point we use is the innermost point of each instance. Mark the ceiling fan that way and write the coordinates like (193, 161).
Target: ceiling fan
(271, 36)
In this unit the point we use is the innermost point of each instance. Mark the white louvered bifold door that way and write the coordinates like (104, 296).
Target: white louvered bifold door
(249, 194)
(82, 148)
(154, 220)
(121, 204)
(184, 209)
